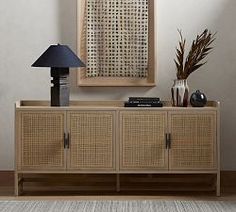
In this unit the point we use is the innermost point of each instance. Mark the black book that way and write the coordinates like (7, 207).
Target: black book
(157, 104)
(144, 102)
(144, 99)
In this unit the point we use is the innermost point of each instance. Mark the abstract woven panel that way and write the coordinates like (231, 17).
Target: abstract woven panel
(117, 38)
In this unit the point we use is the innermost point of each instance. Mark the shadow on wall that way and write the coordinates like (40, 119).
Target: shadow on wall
(221, 66)
(224, 87)
(67, 22)
(225, 62)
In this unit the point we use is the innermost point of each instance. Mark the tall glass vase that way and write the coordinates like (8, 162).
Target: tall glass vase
(180, 92)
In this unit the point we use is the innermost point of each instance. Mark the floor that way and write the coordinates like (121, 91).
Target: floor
(133, 188)
(228, 194)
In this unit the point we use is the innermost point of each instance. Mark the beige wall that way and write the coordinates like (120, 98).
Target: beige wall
(27, 28)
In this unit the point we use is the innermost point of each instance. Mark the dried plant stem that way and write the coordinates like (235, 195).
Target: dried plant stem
(199, 50)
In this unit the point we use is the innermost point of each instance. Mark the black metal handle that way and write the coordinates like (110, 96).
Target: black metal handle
(168, 141)
(66, 141)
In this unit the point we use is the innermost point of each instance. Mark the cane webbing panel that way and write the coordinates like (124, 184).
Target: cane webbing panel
(117, 38)
(193, 141)
(91, 135)
(143, 140)
(42, 140)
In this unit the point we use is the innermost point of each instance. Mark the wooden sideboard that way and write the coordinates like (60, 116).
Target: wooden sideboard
(105, 137)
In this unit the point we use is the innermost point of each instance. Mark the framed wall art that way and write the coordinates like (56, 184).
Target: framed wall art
(116, 40)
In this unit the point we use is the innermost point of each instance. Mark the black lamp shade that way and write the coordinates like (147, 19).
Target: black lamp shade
(58, 56)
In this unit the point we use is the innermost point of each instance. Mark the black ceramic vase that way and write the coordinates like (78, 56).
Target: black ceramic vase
(198, 99)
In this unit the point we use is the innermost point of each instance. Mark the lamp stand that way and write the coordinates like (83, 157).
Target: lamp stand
(60, 91)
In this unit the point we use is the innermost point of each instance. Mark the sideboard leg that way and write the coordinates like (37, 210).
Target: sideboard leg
(16, 184)
(218, 184)
(118, 182)
(20, 183)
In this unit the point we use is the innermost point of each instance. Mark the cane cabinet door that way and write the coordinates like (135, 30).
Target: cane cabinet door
(193, 140)
(142, 140)
(40, 140)
(92, 140)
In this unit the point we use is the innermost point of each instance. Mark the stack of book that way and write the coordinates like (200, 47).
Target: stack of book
(143, 102)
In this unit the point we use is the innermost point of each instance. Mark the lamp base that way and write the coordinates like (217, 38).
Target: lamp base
(60, 91)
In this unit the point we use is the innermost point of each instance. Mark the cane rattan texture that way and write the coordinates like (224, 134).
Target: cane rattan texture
(91, 135)
(117, 38)
(42, 140)
(193, 141)
(143, 140)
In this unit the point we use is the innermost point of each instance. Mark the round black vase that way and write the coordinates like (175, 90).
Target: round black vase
(198, 99)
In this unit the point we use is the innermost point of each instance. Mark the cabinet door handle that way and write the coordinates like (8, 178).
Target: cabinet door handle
(66, 141)
(167, 141)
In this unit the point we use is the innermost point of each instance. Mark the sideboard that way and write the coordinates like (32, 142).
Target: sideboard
(106, 137)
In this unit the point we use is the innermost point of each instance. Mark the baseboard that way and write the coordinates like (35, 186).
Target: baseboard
(228, 178)
(6, 178)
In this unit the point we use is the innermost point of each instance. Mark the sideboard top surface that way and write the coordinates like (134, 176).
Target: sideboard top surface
(106, 104)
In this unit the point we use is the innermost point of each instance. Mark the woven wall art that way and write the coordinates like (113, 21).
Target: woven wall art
(116, 38)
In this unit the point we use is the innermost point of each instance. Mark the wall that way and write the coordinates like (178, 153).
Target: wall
(27, 28)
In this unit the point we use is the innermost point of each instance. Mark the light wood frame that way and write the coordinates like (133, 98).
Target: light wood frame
(150, 81)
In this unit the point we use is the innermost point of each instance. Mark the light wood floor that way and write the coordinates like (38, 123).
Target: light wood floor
(134, 188)
(6, 193)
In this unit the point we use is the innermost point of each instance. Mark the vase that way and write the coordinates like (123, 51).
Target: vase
(198, 99)
(180, 92)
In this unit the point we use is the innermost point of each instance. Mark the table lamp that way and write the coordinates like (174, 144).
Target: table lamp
(59, 58)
